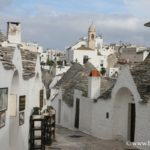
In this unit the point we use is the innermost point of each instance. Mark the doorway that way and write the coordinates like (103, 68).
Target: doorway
(131, 122)
(124, 115)
(77, 113)
(59, 111)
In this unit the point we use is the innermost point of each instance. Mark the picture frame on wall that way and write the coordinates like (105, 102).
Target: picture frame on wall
(2, 118)
(22, 102)
(3, 99)
(21, 118)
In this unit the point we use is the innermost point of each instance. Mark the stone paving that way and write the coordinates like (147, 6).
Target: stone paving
(75, 140)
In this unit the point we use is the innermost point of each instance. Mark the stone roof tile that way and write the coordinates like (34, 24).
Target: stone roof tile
(77, 78)
(84, 48)
(141, 76)
(29, 63)
(6, 56)
(2, 37)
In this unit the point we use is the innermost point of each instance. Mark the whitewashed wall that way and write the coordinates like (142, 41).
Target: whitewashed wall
(101, 126)
(85, 119)
(55, 104)
(66, 114)
(94, 58)
(5, 79)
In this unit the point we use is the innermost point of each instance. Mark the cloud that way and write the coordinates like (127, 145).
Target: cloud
(58, 29)
(4, 3)
(138, 7)
(62, 30)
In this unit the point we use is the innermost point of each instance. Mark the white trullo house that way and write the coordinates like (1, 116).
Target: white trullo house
(104, 107)
(20, 89)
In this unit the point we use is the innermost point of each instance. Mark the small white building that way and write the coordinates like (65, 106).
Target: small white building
(54, 55)
(57, 55)
(103, 107)
(43, 57)
(33, 47)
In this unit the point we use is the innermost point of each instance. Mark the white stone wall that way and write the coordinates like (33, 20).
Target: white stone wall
(44, 57)
(92, 54)
(66, 114)
(79, 44)
(69, 55)
(94, 85)
(85, 121)
(92, 118)
(99, 43)
(101, 126)
(112, 71)
(145, 54)
(55, 104)
(5, 79)
(107, 50)
(33, 47)
(79, 55)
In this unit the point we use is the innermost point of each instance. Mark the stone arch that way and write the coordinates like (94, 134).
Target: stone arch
(124, 115)
(14, 121)
(14, 88)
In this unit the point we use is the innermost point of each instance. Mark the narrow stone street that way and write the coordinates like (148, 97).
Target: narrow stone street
(75, 140)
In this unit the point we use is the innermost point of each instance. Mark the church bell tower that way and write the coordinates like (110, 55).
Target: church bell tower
(92, 37)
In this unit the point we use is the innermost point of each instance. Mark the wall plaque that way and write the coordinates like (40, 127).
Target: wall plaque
(22, 101)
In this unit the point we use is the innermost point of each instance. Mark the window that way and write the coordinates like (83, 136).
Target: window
(22, 100)
(107, 115)
(2, 118)
(3, 98)
(41, 98)
(21, 118)
(85, 59)
(92, 36)
(101, 63)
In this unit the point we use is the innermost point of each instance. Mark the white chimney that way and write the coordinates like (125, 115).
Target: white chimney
(94, 84)
(14, 32)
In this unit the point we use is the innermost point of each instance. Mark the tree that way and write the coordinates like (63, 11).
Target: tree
(103, 71)
(60, 63)
(50, 62)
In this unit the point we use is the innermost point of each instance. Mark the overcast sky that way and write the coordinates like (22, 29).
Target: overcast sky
(60, 23)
